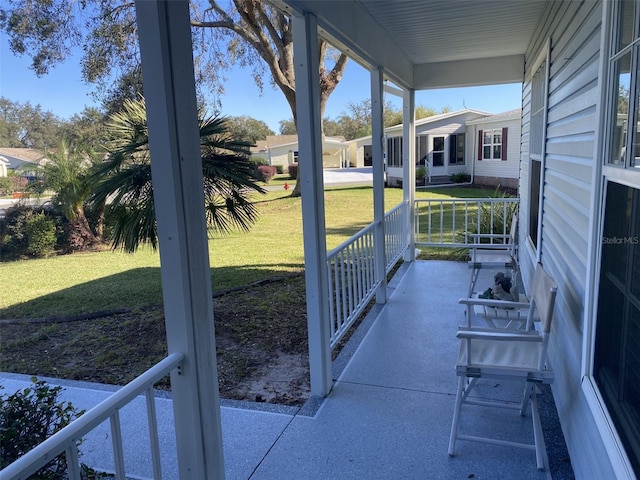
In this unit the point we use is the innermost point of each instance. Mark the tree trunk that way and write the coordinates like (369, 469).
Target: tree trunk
(100, 222)
(79, 234)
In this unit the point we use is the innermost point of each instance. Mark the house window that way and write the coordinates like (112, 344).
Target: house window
(437, 155)
(624, 88)
(536, 148)
(456, 149)
(492, 145)
(616, 361)
(617, 356)
(422, 150)
(394, 151)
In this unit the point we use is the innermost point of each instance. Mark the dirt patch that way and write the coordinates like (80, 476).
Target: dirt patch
(261, 340)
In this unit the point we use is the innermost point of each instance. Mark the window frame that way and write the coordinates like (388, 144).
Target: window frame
(605, 173)
(534, 232)
(457, 140)
(492, 145)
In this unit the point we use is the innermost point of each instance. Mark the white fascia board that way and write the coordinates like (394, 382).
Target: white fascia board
(466, 73)
(350, 29)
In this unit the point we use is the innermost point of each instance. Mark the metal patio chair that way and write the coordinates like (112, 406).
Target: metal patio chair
(508, 355)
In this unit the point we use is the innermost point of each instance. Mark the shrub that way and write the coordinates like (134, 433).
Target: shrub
(279, 169)
(30, 416)
(6, 186)
(460, 178)
(41, 235)
(258, 161)
(293, 171)
(13, 230)
(267, 172)
(488, 222)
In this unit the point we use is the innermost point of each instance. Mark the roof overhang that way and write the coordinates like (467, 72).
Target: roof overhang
(431, 43)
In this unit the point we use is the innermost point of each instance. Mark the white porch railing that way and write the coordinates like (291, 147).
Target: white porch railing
(449, 222)
(351, 270)
(395, 234)
(66, 440)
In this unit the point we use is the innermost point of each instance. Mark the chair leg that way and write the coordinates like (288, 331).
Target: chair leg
(525, 397)
(472, 282)
(456, 415)
(541, 449)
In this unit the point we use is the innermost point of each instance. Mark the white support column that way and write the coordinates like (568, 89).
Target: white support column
(305, 49)
(167, 66)
(409, 169)
(377, 151)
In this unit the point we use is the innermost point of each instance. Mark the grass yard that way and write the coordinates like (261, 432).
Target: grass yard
(111, 280)
(261, 330)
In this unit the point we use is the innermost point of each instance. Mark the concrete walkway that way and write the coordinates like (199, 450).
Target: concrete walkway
(387, 417)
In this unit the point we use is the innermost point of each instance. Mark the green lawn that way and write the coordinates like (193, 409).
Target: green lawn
(89, 282)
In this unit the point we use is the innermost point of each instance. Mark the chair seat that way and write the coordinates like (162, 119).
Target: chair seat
(509, 314)
(491, 259)
(501, 355)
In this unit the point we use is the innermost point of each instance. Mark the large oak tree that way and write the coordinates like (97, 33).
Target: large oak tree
(245, 32)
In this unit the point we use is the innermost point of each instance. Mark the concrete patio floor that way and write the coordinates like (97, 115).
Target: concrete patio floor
(387, 417)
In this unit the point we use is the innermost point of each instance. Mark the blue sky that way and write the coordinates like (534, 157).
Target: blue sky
(64, 93)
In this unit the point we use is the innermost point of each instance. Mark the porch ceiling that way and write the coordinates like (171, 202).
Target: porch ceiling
(431, 43)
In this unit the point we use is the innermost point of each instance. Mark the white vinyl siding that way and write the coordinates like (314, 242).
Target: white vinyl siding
(574, 32)
(502, 169)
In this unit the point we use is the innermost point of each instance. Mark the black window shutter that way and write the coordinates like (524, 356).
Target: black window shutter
(479, 145)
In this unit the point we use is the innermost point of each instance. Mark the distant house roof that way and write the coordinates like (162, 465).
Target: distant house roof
(281, 140)
(432, 119)
(508, 115)
(17, 157)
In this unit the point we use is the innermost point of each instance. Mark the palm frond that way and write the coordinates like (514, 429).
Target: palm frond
(124, 179)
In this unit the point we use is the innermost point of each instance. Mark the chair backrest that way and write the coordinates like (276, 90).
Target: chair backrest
(543, 295)
(513, 231)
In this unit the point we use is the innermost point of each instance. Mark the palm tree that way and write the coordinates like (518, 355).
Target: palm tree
(125, 178)
(67, 173)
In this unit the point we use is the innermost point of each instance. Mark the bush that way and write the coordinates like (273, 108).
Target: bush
(460, 178)
(267, 172)
(30, 416)
(293, 171)
(258, 161)
(12, 183)
(41, 235)
(13, 230)
(279, 169)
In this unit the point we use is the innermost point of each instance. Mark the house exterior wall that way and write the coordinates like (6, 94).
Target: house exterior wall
(282, 155)
(495, 172)
(449, 125)
(574, 31)
(357, 151)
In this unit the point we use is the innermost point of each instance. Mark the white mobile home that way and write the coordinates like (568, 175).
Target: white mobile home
(482, 146)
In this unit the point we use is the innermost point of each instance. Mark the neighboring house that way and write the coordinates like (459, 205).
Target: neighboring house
(451, 143)
(283, 150)
(22, 158)
(4, 165)
(495, 156)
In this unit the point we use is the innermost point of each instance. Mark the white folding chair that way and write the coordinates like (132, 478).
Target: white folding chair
(516, 355)
(492, 255)
(501, 313)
